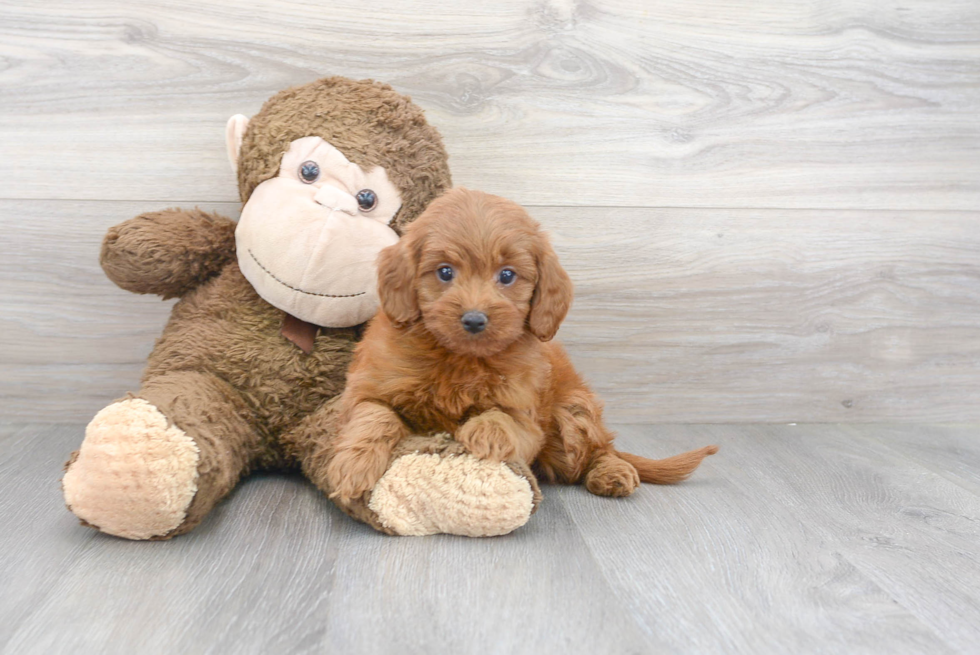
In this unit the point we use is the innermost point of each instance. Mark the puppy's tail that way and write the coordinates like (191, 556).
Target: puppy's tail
(671, 469)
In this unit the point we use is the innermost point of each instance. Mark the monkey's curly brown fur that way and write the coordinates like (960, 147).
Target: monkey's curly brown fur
(387, 130)
(221, 371)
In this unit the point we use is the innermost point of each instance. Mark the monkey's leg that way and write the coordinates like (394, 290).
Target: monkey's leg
(432, 485)
(153, 465)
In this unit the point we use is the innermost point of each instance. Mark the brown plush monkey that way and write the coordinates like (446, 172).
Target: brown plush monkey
(246, 372)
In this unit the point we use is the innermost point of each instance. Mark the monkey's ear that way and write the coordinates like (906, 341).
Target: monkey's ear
(396, 284)
(234, 131)
(552, 295)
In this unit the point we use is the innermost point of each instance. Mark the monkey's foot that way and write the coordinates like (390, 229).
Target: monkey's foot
(135, 475)
(433, 486)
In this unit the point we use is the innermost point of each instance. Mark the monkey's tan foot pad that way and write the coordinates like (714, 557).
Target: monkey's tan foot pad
(428, 493)
(135, 475)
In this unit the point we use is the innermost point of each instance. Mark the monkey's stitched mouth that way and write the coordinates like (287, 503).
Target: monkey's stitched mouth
(289, 286)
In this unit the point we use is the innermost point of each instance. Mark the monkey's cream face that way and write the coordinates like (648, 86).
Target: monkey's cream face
(308, 240)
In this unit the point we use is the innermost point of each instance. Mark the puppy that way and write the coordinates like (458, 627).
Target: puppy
(470, 299)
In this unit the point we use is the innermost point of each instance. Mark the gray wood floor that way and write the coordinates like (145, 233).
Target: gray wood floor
(793, 539)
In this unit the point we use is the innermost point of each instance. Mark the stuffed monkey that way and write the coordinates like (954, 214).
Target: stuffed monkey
(247, 371)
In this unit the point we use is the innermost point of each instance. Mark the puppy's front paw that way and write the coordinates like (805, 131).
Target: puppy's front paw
(612, 476)
(353, 472)
(489, 435)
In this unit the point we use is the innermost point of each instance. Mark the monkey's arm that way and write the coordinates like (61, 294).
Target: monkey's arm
(167, 252)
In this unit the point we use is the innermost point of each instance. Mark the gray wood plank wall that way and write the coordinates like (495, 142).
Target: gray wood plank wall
(770, 213)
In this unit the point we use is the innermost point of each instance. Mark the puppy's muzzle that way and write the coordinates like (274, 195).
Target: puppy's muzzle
(474, 322)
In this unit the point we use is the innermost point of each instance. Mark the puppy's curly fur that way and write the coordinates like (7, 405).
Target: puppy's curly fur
(506, 391)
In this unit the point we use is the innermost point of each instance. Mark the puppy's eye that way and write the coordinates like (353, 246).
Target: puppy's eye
(367, 200)
(445, 273)
(309, 171)
(507, 277)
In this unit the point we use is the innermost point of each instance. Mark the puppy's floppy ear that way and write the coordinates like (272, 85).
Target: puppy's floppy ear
(552, 295)
(396, 283)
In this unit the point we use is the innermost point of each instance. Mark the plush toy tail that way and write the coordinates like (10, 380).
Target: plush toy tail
(671, 469)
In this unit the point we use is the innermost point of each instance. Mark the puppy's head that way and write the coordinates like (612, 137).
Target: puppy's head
(477, 271)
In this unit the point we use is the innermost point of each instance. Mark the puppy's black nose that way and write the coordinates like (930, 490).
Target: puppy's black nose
(474, 322)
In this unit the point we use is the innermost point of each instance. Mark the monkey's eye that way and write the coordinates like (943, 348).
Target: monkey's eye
(367, 200)
(309, 171)
(445, 273)
(507, 277)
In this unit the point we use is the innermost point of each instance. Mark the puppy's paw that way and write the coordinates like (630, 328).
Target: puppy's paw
(351, 473)
(611, 476)
(489, 435)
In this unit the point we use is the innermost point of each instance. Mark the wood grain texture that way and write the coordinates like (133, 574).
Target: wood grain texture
(646, 137)
(279, 569)
(950, 451)
(775, 316)
(604, 103)
(680, 315)
(792, 539)
(907, 528)
(728, 552)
